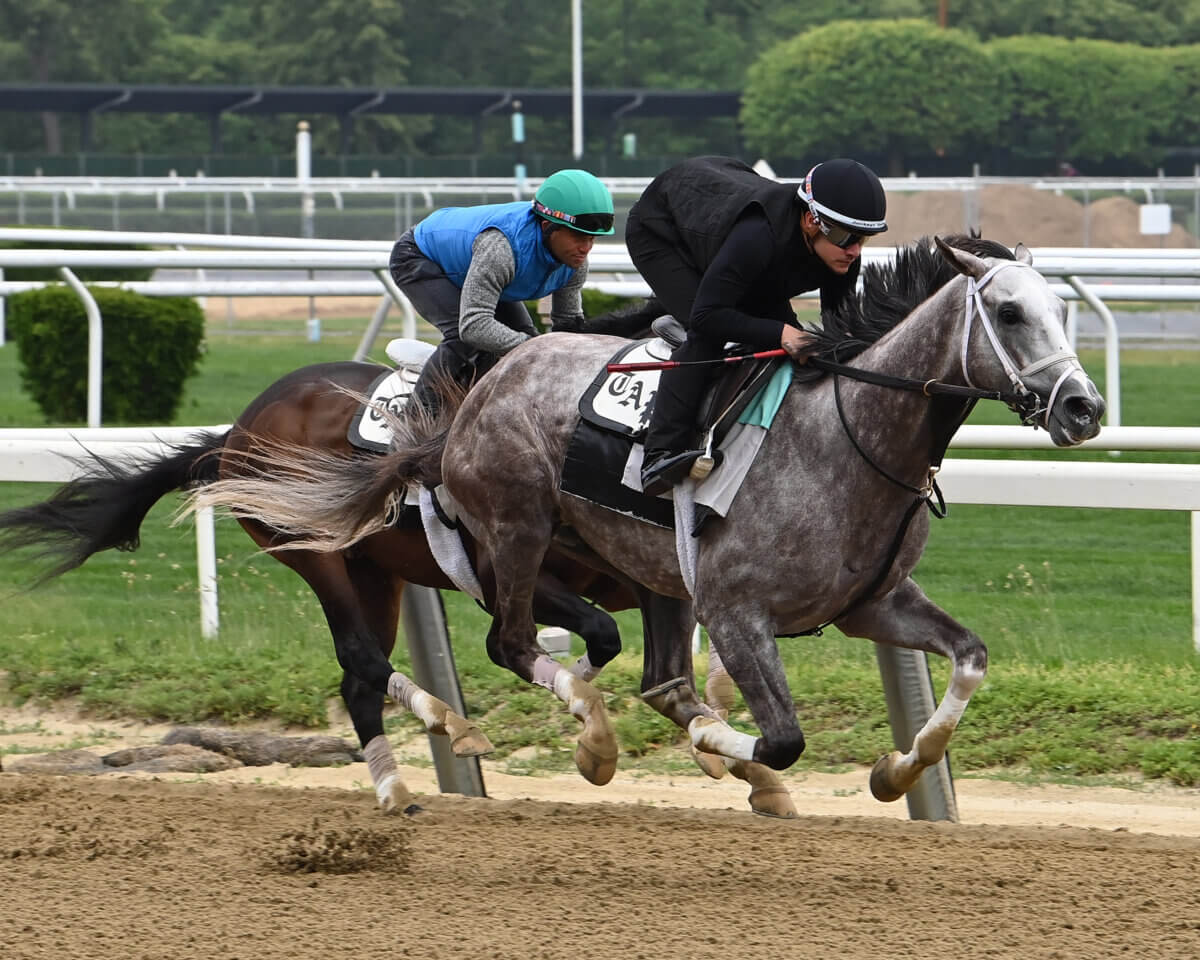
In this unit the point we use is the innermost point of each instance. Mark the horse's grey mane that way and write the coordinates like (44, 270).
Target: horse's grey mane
(891, 291)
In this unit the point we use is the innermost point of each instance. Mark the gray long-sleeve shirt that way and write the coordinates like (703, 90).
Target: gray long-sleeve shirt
(493, 267)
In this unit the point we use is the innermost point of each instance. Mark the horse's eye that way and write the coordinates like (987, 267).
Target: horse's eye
(1010, 313)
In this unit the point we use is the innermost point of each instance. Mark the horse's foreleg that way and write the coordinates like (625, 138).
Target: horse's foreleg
(466, 739)
(667, 686)
(907, 618)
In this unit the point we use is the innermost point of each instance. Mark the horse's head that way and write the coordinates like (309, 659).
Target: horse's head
(1014, 341)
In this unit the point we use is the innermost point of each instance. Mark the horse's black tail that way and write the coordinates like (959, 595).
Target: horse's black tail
(104, 507)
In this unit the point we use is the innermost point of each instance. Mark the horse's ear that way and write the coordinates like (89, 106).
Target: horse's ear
(965, 263)
(1021, 252)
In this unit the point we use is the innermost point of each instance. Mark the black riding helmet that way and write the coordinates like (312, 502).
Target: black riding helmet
(846, 199)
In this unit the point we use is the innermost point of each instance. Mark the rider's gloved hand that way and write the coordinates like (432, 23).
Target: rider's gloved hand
(799, 344)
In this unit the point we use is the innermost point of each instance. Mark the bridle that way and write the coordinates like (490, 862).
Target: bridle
(1027, 403)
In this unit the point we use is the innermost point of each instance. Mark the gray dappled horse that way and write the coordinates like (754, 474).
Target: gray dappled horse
(827, 527)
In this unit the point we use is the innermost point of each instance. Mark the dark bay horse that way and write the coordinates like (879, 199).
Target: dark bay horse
(359, 588)
(826, 528)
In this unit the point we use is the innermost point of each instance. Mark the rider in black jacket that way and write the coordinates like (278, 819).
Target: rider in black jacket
(725, 250)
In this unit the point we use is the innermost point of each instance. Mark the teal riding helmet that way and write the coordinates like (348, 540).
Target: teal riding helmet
(575, 199)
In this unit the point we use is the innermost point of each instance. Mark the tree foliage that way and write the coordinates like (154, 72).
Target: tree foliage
(894, 87)
(1113, 105)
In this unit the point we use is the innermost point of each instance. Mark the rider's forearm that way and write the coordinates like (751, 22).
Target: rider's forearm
(492, 269)
(566, 303)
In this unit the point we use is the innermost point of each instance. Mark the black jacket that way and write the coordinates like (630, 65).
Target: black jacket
(696, 205)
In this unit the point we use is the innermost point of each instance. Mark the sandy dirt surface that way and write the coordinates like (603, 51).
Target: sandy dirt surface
(243, 864)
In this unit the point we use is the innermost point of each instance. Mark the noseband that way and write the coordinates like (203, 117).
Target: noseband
(1026, 403)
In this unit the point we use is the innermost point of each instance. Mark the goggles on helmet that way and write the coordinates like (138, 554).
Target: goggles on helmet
(584, 222)
(838, 235)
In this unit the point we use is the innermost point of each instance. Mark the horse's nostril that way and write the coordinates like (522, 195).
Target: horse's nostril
(1082, 409)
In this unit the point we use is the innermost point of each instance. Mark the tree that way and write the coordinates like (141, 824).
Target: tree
(1115, 104)
(66, 41)
(1183, 96)
(1145, 22)
(902, 88)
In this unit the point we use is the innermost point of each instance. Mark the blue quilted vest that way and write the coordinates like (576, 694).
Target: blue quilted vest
(446, 236)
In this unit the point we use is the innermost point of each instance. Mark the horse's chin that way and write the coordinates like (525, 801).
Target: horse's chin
(1072, 434)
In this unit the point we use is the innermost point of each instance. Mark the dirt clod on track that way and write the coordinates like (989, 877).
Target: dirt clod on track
(136, 868)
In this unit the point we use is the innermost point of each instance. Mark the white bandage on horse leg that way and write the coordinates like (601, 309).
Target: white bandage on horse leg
(583, 669)
(716, 736)
(381, 765)
(428, 708)
(545, 670)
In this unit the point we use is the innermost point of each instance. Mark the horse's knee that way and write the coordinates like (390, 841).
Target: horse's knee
(781, 751)
(365, 707)
(602, 638)
(970, 652)
(495, 650)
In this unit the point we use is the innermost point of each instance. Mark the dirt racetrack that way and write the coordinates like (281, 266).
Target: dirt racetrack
(129, 868)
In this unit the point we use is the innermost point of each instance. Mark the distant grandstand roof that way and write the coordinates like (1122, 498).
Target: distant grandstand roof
(88, 98)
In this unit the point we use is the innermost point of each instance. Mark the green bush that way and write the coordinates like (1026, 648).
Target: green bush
(86, 274)
(150, 347)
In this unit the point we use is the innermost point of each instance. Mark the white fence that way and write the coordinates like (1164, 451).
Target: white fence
(41, 455)
(610, 264)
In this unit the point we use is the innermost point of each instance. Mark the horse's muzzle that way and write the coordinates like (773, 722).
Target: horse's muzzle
(1075, 416)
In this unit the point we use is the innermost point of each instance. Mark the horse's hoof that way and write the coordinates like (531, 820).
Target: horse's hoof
(396, 798)
(882, 787)
(773, 802)
(472, 742)
(596, 768)
(711, 763)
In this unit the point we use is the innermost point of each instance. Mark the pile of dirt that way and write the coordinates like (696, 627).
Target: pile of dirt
(1020, 214)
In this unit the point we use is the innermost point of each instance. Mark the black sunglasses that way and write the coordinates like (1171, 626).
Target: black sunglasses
(838, 235)
(594, 222)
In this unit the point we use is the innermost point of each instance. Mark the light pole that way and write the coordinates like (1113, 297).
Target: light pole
(577, 78)
(518, 135)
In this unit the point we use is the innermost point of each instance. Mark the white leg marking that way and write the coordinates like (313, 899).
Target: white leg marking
(929, 745)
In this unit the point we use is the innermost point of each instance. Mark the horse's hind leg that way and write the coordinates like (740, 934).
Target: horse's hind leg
(517, 544)
(907, 618)
(378, 604)
(362, 613)
(555, 604)
(668, 687)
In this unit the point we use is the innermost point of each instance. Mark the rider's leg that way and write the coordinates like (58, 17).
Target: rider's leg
(438, 301)
(671, 436)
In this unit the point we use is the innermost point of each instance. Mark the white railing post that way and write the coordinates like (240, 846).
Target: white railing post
(95, 365)
(1196, 580)
(1112, 351)
(206, 569)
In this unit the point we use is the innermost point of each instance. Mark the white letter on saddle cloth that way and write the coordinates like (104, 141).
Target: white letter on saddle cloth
(446, 547)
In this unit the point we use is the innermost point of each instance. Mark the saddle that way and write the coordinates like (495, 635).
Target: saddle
(621, 402)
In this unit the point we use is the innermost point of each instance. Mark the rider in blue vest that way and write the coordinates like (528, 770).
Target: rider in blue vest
(725, 250)
(469, 271)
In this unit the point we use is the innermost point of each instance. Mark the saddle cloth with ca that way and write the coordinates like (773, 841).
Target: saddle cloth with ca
(604, 458)
(434, 510)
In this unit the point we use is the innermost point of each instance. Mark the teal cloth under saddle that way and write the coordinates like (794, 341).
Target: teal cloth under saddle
(762, 409)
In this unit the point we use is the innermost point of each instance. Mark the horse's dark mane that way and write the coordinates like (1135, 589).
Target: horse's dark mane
(891, 291)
